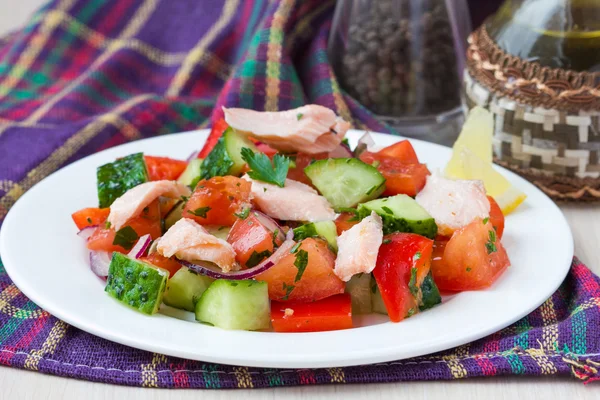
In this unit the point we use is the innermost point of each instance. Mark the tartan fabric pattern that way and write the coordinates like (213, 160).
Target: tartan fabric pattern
(82, 76)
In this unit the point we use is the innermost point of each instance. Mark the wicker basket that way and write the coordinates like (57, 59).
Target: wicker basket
(547, 121)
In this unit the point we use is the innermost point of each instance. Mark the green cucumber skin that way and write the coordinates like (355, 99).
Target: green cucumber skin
(185, 288)
(192, 173)
(174, 215)
(225, 158)
(359, 288)
(240, 304)
(135, 283)
(114, 179)
(366, 182)
(377, 303)
(430, 293)
(402, 222)
(322, 229)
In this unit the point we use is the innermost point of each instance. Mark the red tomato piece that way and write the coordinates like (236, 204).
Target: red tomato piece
(215, 201)
(471, 259)
(265, 148)
(330, 314)
(253, 237)
(402, 264)
(302, 161)
(496, 217)
(316, 282)
(147, 223)
(164, 168)
(218, 128)
(400, 178)
(163, 262)
(345, 221)
(401, 151)
(90, 217)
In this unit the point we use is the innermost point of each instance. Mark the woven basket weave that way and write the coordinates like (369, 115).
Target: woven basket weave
(547, 121)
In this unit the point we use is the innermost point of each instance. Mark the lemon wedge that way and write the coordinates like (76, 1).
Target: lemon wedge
(472, 159)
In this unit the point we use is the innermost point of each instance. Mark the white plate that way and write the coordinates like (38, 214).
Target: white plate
(48, 262)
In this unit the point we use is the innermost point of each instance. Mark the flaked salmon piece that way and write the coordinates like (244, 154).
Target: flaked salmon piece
(293, 202)
(310, 129)
(133, 201)
(188, 240)
(453, 203)
(358, 248)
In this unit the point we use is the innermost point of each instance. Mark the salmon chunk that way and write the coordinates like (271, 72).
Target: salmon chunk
(188, 240)
(133, 202)
(309, 129)
(453, 203)
(358, 248)
(293, 202)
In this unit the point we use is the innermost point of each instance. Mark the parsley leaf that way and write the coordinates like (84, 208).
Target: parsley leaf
(263, 170)
(126, 237)
(275, 234)
(200, 212)
(412, 283)
(244, 214)
(354, 211)
(345, 142)
(256, 258)
(288, 290)
(299, 116)
(89, 220)
(218, 162)
(485, 220)
(491, 244)
(300, 263)
(295, 248)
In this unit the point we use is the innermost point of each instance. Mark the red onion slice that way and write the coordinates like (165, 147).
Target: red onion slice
(290, 234)
(100, 263)
(366, 142)
(86, 232)
(208, 270)
(140, 247)
(192, 156)
(270, 224)
(342, 151)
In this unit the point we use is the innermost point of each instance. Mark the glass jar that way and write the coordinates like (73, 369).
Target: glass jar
(403, 60)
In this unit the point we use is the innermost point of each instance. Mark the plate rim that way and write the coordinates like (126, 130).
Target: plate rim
(268, 360)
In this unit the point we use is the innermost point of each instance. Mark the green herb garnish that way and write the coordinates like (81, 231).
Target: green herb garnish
(89, 220)
(275, 234)
(412, 283)
(491, 244)
(295, 248)
(256, 258)
(200, 212)
(386, 241)
(244, 214)
(218, 162)
(417, 256)
(299, 116)
(288, 291)
(126, 237)
(263, 170)
(485, 220)
(300, 263)
(107, 225)
(468, 269)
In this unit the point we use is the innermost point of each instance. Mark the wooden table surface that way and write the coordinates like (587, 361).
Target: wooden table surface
(584, 221)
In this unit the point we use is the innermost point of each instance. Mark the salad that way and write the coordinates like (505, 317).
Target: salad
(277, 223)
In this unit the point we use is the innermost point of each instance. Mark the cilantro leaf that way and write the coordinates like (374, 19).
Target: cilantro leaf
(244, 214)
(288, 290)
(491, 244)
(261, 168)
(217, 163)
(299, 116)
(300, 263)
(485, 220)
(295, 248)
(257, 258)
(412, 283)
(126, 237)
(200, 212)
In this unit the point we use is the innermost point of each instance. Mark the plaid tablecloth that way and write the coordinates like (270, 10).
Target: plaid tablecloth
(82, 76)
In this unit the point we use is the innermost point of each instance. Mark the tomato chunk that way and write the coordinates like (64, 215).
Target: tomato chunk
(345, 221)
(402, 151)
(215, 201)
(302, 161)
(90, 217)
(473, 259)
(218, 128)
(149, 222)
(330, 314)
(496, 217)
(400, 178)
(164, 168)
(163, 262)
(254, 239)
(402, 264)
(290, 280)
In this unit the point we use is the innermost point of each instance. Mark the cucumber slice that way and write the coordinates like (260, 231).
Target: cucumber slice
(185, 288)
(226, 158)
(115, 178)
(345, 182)
(174, 215)
(135, 283)
(241, 304)
(219, 231)
(401, 213)
(323, 229)
(430, 293)
(192, 173)
(359, 288)
(376, 300)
